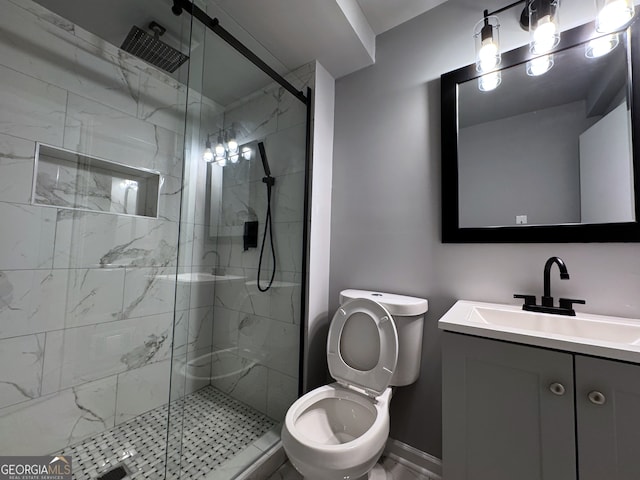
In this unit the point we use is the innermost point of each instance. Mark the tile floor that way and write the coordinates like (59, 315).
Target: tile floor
(213, 429)
(395, 471)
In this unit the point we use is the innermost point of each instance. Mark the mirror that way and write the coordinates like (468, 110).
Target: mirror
(546, 157)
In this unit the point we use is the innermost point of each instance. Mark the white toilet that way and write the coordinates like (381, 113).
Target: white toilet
(339, 431)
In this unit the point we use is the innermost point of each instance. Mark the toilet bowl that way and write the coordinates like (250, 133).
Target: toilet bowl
(334, 429)
(338, 431)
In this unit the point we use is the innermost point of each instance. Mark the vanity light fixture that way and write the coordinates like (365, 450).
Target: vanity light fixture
(226, 149)
(613, 14)
(541, 19)
(598, 47)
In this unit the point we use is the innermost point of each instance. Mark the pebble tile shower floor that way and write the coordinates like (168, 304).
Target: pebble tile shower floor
(215, 427)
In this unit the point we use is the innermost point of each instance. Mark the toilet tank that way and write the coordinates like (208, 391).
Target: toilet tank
(408, 316)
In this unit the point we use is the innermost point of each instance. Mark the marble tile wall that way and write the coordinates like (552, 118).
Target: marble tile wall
(255, 334)
(86, 298)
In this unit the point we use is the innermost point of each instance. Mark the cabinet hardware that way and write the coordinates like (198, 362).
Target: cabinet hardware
(557, 389)
(597, 398)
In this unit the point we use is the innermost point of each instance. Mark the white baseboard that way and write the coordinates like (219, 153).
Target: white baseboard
(414, 459)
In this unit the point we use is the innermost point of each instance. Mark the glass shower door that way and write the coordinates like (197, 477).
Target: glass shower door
(236, 370)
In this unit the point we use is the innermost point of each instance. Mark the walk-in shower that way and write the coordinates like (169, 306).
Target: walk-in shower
(136, 335)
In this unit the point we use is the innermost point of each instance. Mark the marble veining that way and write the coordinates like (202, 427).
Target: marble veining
(30, 301)
(21, 361)
(85, 240)
(78, 412)
(144, 353)
(16, 165)
(77, 355)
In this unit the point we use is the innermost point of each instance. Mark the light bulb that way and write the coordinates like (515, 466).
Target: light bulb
(545, 35)
(487, 38)
(220, 150)
(233, 146)
(207, 155)
(599, 47)
(489, 82)
(488, 55)
(614, 15)
(539, 66)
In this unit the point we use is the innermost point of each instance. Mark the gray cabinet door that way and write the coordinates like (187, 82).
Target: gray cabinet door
(501, 421)
(608, 420)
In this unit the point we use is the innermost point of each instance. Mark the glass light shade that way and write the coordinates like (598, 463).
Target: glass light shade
(613, 14)
(489, 81)
(539, 66)
(487, 39)
(599, 47)
(234, 158)
(232, 145)
(220, 150)
(544, 25)
(207, 155)
(221, 161)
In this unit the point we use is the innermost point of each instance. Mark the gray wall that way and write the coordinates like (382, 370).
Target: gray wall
(537, 165)
(385, 231)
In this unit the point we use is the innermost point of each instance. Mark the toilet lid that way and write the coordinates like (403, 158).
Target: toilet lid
(362, 348)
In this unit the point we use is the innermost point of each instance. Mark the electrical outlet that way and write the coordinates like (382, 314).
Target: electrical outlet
(521, 219)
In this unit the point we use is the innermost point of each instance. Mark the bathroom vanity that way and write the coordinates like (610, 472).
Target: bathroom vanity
(535, 396)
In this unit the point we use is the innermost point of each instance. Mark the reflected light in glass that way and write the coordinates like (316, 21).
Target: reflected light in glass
(221, 161)
(539, 66)
(613, 14)
(489, 82)
(220, 150)
(599, 47)
(233, 145)
(208, 153)
(246, 153)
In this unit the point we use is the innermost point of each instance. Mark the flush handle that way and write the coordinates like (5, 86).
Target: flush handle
(557, 389)
(597, 398)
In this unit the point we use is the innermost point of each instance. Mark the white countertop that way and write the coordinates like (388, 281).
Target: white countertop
(598, 335)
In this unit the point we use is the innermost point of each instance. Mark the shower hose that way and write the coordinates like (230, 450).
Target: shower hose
(270, 181)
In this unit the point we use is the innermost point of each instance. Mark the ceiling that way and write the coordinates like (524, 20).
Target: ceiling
(338, 33)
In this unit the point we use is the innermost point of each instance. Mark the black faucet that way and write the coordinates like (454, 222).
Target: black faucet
(565, 304)
(547, 299)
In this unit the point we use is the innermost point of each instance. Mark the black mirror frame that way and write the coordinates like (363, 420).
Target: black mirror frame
(569, 233)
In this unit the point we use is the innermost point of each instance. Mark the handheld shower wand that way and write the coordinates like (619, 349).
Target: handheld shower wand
(270, 182)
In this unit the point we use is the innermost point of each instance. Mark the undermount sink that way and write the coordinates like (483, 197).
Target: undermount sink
(611, 337)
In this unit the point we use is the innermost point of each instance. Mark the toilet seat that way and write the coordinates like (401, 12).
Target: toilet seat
(360, 312)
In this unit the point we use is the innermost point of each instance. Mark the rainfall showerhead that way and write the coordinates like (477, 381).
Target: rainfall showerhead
(153, 50)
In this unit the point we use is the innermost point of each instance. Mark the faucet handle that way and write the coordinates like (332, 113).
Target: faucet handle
(567, 304)
(528, 299)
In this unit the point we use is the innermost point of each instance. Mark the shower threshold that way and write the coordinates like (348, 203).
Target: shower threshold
(207, 429)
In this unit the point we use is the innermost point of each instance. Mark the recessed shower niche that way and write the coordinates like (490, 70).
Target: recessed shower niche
(67, 179)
